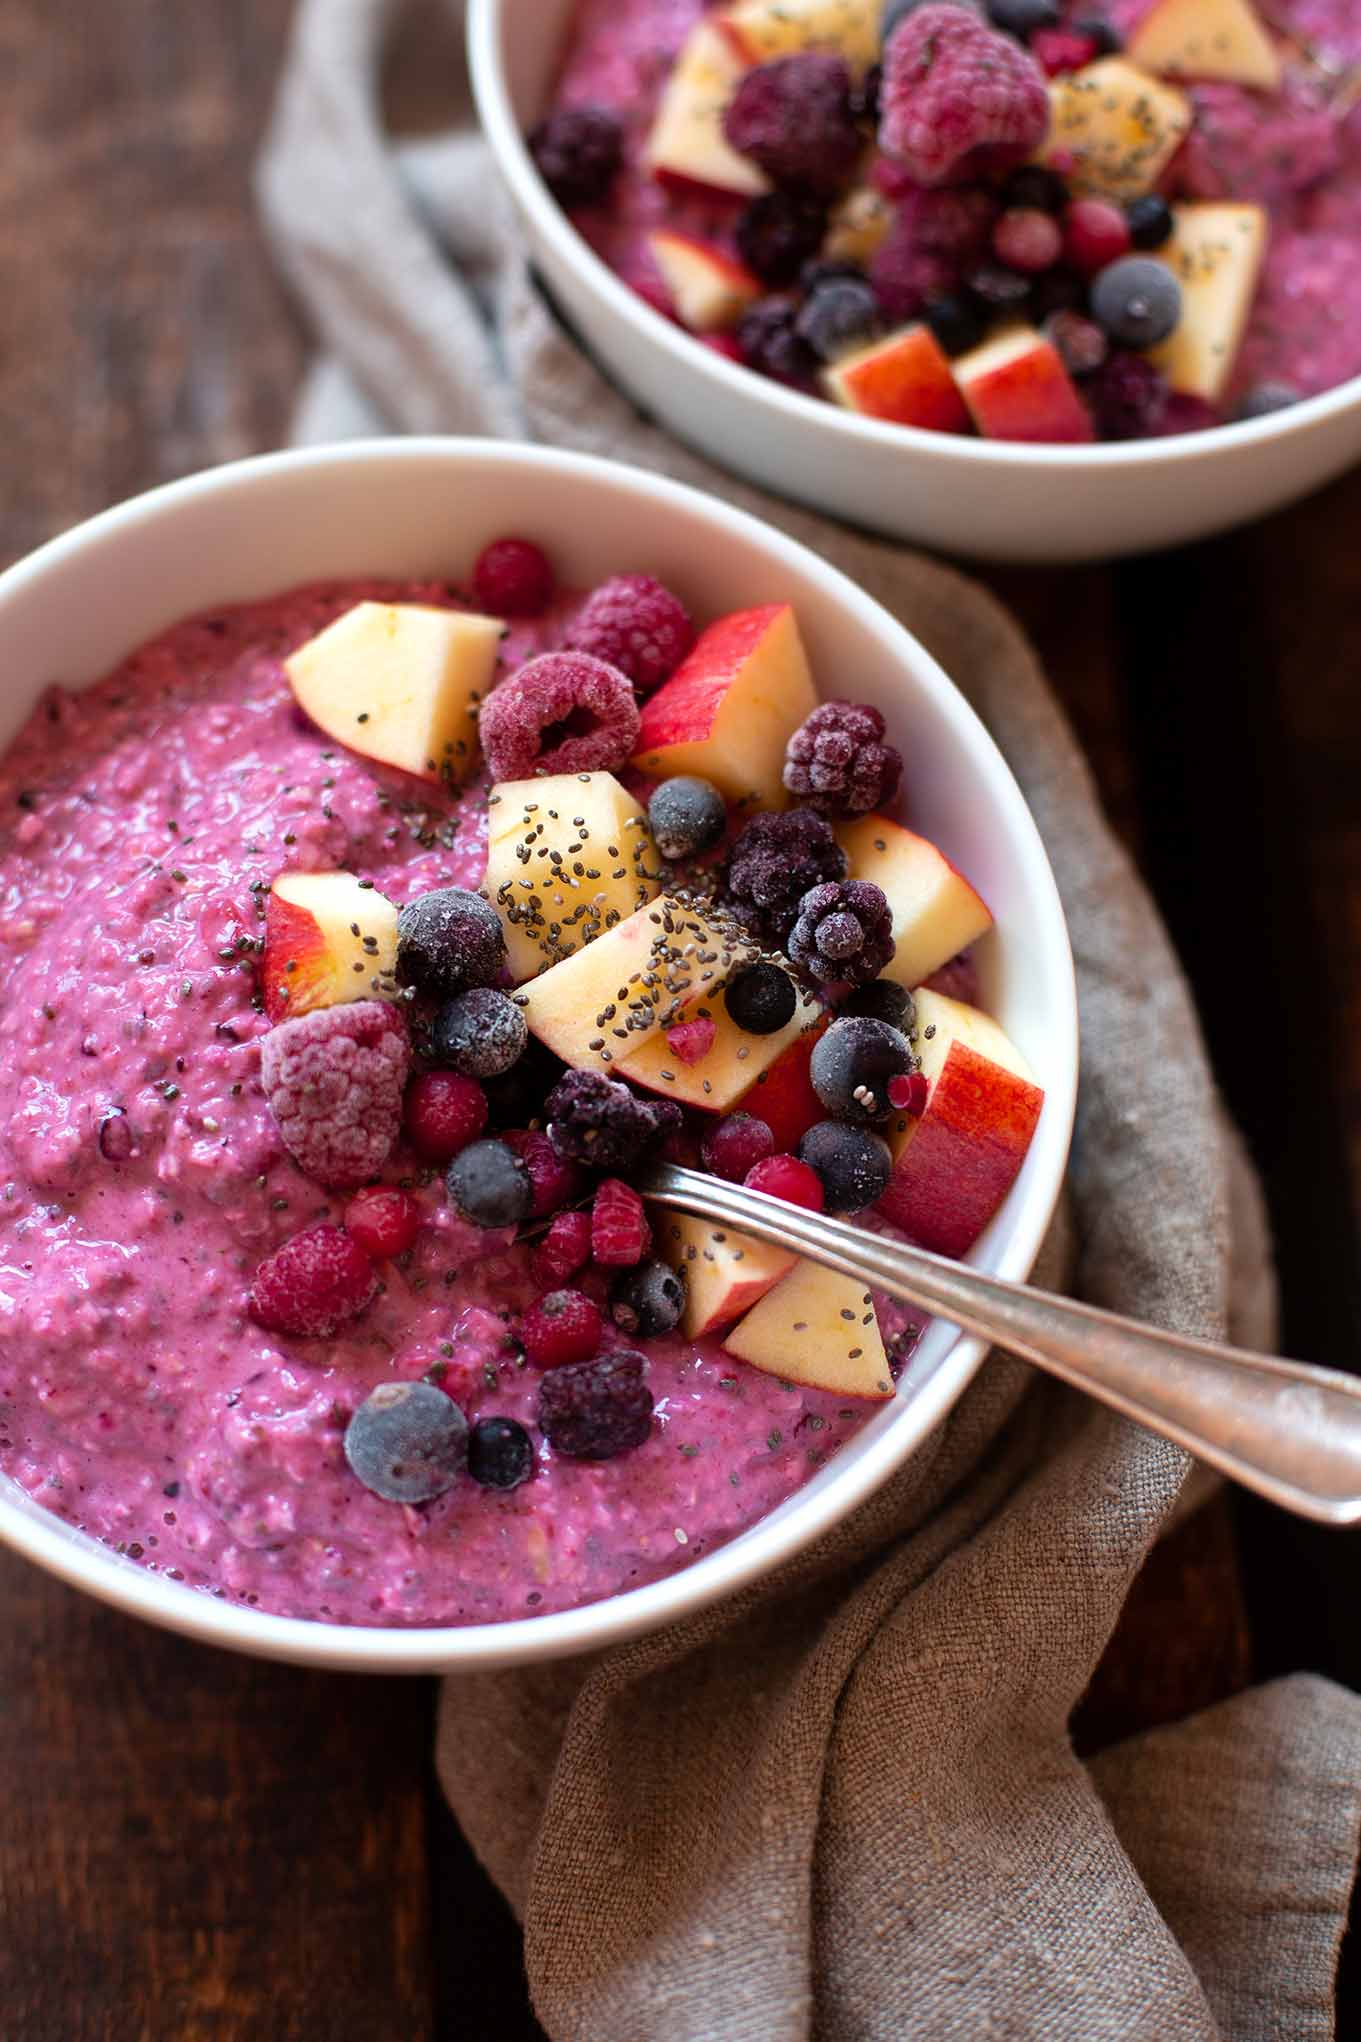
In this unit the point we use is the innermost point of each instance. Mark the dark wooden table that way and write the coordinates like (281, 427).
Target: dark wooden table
(197, 1846)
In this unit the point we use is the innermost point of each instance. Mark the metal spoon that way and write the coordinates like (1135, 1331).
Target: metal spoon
(1283, 1428)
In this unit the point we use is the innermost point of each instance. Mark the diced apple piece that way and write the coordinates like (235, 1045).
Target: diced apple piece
(763, 29)
(1116, 127)
(955, 1162)
(726, 1273)
(687, 146)
(707, 287)
(1017, 388)
(1216, 253)
(729, 1067)
(783, 1097)
(858, 226)
(905, 378)
(568, 857)
(936, 912)
(818, 1328)
(328, 940)
(1207, 39)
(729, 710)
(401, 683)
(595, 1010)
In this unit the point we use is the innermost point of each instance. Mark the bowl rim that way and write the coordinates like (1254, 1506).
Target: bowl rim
(82, 1562)
(689, 355)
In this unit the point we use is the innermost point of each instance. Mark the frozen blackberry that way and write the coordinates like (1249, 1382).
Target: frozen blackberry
(852, 1165)
(852, 1065)
(837, 761)
(500, 1453)
(687, 816)
(578, 151)
(844, 932)
(839, 316)
(648, 1300)
(407, 1442)
(448, 941)
(761, 999)
(778, 233)
(768, 342)
(1128, 396)
(593, 1410)
(489, 1185)
(793, 119)
(597, 1120)
(774, 862)
(480, 1032)
(883, 999)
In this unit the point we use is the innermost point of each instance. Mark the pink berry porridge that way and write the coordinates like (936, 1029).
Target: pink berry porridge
(1035, 220)
(360, 947)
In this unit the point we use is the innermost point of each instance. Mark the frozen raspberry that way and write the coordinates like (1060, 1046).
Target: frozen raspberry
(593, 1410)
(1057, 50)
(953, 220)
(562, 713)
(561, 1328)
(736, 1146)
(314, 1284)
(1095, 233)
(844, 932)
(906, 277)
(513, 578)
(778, 233)
(564, 1249)
(793, 119)
(631, 622)
(384, 1221)
(774, 862)
(578, 151)
(444, 1112)
(597, 1120)
(334, 1083)
(786, 1177)
(553, 1178)
(620, 1234)
(690, 1041)
(1027, 240)
(771, 344)
(958, 97)
(1128, 397)
(837, 760)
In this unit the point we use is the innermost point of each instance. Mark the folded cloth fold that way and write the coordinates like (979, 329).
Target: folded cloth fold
(845, 1804)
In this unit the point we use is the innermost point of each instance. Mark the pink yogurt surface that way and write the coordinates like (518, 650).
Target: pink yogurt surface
(1289, 151)
(141, 824)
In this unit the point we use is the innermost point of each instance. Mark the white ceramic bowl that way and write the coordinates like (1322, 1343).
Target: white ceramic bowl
(979, 497)
(426, 507)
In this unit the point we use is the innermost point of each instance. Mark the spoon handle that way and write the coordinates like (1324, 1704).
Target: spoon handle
(1290, 1431)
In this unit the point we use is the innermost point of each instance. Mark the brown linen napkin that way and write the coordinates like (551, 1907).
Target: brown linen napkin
(845, 1804)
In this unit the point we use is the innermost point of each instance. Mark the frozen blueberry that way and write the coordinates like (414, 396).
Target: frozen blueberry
(648, 1299)
(761, 999)
(687, 816)
(500, 1453)
(883, 999)
(448, 941)
(407, 1442)
(1137, 301)
(1023, 18)
(837, 316)
(1265, 399)
(489, 1185)
(852, 1164)
(1095, 28)
(480, 1032)
(956, 321)
(1150, 221)
(852, 1065)
(998, 288)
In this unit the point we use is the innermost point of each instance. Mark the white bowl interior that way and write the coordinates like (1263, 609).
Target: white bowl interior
(419, 507)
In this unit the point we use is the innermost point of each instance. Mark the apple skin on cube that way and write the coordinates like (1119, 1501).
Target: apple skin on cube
(401, 683)
(603, 871)
(818, 1328)
(729, 710)
(1216, 255)
(761, 30)
(906, 379)
(328, 941)
(955, 1163)
(726, 1273)
(1116, 128)
(687, 149)
(1221, 39)
(727, 1070)
(1017, 388)
(783, 1096)
(708, 288)
(936, 913)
